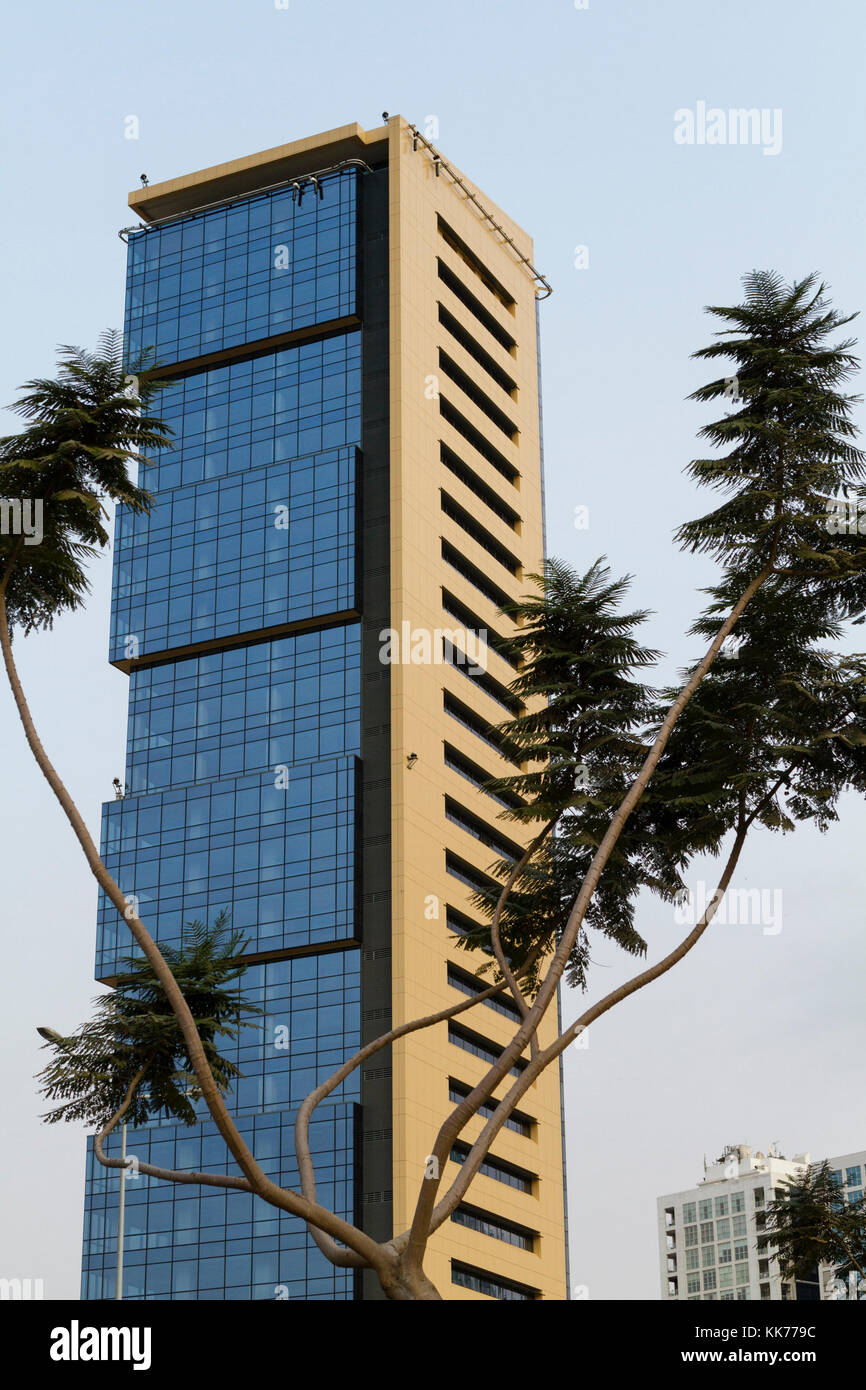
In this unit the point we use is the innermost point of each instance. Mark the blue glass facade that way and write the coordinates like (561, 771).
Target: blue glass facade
(244, 709)
(281, 859)
(236, 609)
(234, 275)
(221, 558)
(199, 1243)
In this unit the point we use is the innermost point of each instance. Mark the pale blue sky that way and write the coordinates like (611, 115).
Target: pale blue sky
(566, 118)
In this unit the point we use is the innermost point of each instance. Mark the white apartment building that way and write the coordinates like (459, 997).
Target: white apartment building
(708, 1235)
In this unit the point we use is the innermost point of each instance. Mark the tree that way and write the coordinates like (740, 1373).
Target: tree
(630, 785)
(809, 1223)
(130, 1061)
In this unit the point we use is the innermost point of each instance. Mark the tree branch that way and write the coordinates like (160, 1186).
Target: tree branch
(481, 1147)
(260, 1184)
(455, 1122)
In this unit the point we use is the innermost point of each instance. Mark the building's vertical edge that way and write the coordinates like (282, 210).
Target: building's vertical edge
(561, 1059)
(375, 865)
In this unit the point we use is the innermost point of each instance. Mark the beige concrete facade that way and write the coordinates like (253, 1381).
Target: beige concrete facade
(456, 288)
(423, 1062)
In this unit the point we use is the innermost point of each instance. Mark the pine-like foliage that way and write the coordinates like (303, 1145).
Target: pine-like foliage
(813, 1223)
(789, 444)
(580, 741)
(777, 729)
(73, 456)
(134, 1027)
(774, 733)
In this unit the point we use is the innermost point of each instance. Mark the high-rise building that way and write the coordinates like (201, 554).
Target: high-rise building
(709, 1235)
(349, 329)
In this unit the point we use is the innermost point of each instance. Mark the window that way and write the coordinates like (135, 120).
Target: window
(765, 1291)
(481, 1047)
(520, 1122)
(743, 1295)
(468, 299)
(466, 873)
(708, 1255)
(724, 1254)
(479, 398)
(741, 1252)
(724, 1228)
(759, 1196)
(706, 1232)
(692, 1260)
(474, 576)
(739, 1226)
(479, 441)
(497, 1168)
(462, 925)
(479, 726)
(705, 1208)
(742, 1274)
(493, 1285)
(473, 623)
(464, 767)
(726, 1277)
(469, 984)
(693, 1283)
(476, 1219)
(461, 335)
(475, 264)
(721, 1206)
(738, 1201)
(479, 534)
(479, 830)
(492, 688)
(836, 1176)
(853, 1177)
(691, 1235)
(688, 1213)
(709, 1279)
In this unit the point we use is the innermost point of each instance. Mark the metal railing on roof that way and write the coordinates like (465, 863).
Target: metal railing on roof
(440, 163)
(297, 184)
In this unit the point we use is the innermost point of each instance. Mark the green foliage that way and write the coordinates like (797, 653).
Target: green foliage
(134, 1028)
(581, 748)
(811, 1223)
(790, 442)
(777, 730)
(73, 456)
